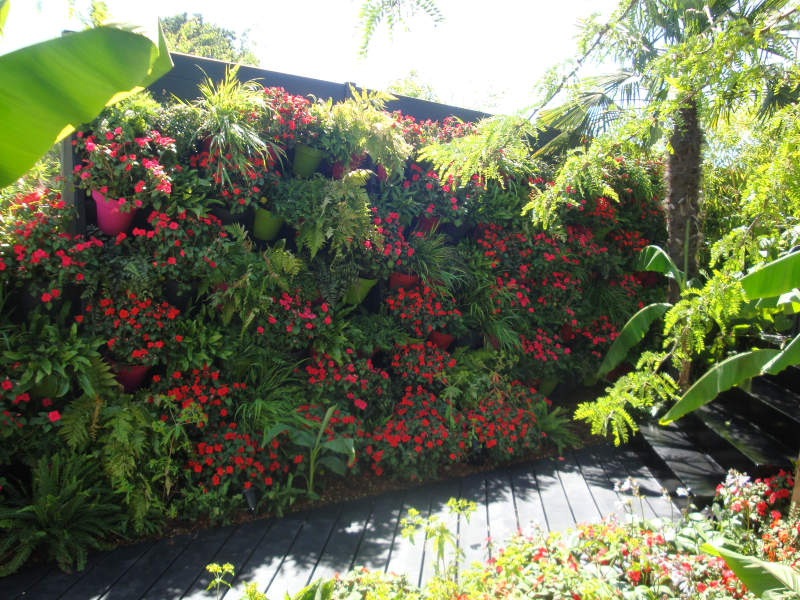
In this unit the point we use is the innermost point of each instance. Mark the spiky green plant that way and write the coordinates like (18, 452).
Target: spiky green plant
(68, 510)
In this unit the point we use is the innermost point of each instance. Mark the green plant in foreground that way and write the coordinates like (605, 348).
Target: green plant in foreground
(321, 453)
(438, 532)
(219, 573)
(68, 511)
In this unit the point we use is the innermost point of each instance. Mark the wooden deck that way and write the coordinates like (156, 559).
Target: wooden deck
(286, 554)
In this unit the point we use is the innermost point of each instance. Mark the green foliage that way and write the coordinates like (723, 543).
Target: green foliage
(68, 510)
(762, 578)
(394, 13)
(633, 332)
(413, 86)
(193, 35)
(500, 149)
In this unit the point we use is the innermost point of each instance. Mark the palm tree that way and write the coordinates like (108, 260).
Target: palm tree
(688, 63)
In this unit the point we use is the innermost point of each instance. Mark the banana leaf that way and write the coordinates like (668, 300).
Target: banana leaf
(52, 87)
(764, 579)
(654, 258)
(722, 376)
(775, 279)
(5, 6)
(788, 356)
(633, 332)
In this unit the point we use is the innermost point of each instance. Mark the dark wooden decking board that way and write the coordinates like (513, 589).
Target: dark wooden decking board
(373, 552)
(345, 539)
(107, 572)
(600, 486)
(580, 499)
(472, 537)
(526, 496)
(442, 492)
(286, 553)
(268, 555)
(556, 506)
(406, 557)
(236, 551)
(301, 560)
(501, 512)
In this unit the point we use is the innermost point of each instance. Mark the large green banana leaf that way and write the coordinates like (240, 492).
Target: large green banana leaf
(788, 356)
(774, 279)
(52, 87)
(633, 332)
(764, 579)
(722, 376)
(5, 5)
(654, 258)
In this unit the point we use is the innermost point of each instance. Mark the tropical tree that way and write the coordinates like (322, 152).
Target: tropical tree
(413, 86)
(687, 64)
(394, 13)
(193, 35)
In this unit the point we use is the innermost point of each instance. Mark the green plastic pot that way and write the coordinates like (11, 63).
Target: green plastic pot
(306, 160)
(547, 386)
(600, 233)
(590, 381)
(358, 291)
(410, 340)
(266, 225)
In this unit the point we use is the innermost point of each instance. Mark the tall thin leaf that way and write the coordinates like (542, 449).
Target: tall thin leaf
(633, 333)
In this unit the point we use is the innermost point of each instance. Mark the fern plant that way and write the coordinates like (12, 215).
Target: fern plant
(68, 510)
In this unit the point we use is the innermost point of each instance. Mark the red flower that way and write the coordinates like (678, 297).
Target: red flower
(54, 416)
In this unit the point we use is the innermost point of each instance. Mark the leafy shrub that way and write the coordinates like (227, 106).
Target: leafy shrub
(68, 510)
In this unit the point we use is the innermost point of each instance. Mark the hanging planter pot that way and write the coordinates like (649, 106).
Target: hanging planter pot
(130, 377)
(274, 152)
(402, 280)
(179, 296)
(547, 386)
(30, 301)
(410, 340)
(358, 291)
(267, 224)
(306, 160)
(567, 332)
(493, 342)
(239, 368)
(227, 217)
(590, 381)
(428, 224)
(442, 340)
(470, 340)
(110, 218)
(456, 232)
(380, 172)
(600, 233)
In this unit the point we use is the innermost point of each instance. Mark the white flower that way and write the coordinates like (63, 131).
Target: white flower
(684, 492)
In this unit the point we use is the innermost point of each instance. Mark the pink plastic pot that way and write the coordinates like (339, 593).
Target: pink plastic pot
(276, 156)
(381, 172)
(110, 219)
(131, 376)
(442, 340)
(428, 224)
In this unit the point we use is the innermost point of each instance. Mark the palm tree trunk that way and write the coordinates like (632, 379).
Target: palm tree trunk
(683, 173)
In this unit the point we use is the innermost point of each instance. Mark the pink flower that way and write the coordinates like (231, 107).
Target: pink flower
(54, 416)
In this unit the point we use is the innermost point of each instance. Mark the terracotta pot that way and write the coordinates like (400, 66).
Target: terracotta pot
(402, 280)
(428, 224)
(443, 340)
(130, 376)
(110, 218)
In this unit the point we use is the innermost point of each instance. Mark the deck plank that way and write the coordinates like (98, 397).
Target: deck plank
(472, 537)
(295, 571)
(442, 492)
(556, 506)
(236, 551)
(149, 568)
(617, 474)
(648, 485)
(107, 572)
(180, 577)
(268, 555)
(379, 532)
(406, 557)
(23, 580)
(600, 486)
(347, 535)
(56, 582)
(526, 497)
(501, 512)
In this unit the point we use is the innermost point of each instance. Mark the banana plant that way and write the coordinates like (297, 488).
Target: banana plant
(320, 453)
(767, 580)
(51, 87)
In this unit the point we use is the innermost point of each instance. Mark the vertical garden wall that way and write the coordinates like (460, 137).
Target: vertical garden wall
(271, 292)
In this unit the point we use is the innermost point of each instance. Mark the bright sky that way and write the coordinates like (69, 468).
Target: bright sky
(491, 45)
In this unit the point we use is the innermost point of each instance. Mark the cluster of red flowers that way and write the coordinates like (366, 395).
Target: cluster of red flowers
(424, 364)
(137, 330)
(287, 117)
(421, 310)
(543, 347)
(504, 430)
(600, 331)
(603, 213)
(628, 243)
(294, 322)
(436, 198)
(42, 251)
(356, 381)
